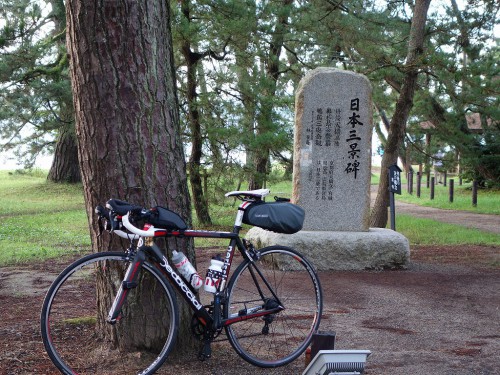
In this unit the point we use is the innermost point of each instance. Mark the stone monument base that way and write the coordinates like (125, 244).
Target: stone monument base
(375, 249)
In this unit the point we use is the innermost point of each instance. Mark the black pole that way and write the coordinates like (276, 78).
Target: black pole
(452, 183)
(419, 182)
(410, 182)
(433, 179)
(393, 213)
(474, 193)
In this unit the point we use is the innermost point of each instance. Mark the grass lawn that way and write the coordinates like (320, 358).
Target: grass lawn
(488, 201)
(39, 219)
(431, 232)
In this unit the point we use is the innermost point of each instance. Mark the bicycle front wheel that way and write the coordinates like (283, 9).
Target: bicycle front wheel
(280, 277)
(73, 320)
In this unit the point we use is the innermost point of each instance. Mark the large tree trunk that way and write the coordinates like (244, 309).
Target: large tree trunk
(65, 166)
(404, 104)
(244, 72)
(127, 120)
(264, 131)
(404, 154)
(194, 166)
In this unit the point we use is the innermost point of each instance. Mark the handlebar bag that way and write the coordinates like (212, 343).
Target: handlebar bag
(279, 217)
(164, 218)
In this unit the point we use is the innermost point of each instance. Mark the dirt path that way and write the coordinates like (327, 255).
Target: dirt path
(435, 318)
(440, 316)
(487, 223)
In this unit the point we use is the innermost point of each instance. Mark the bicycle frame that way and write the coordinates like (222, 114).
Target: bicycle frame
(212, 321)
(267, 304)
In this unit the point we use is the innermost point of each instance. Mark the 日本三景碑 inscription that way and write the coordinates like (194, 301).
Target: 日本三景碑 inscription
(332, 161)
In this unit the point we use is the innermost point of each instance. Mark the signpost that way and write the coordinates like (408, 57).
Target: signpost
(394, 188)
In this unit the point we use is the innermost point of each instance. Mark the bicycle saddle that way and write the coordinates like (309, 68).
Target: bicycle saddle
(246, 194)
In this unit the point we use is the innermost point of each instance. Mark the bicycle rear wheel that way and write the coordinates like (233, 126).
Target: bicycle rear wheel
(73, 320)
(277, 339)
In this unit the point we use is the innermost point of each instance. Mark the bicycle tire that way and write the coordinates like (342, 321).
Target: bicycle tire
(76, 335)
(298, 288)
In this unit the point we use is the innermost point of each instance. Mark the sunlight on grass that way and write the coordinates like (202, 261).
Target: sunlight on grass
(430, 232)
(41, 220)
(49, 232)
(488, 201)
(25, 194)
(281, 189)
(18, 253)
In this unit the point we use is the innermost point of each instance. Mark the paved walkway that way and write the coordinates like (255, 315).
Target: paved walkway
(484, 222)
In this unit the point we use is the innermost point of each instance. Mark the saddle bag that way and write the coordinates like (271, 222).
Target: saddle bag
(279, 217)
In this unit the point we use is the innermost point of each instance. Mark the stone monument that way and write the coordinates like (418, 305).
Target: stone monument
(332, 153)
(331, 177)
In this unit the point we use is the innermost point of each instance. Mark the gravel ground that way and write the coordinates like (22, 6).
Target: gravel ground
(440, 316)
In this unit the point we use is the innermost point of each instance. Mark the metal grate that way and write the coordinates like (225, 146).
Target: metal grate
(338, 362)
(345, 367)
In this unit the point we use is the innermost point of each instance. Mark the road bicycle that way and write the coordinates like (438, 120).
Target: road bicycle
(117, 312)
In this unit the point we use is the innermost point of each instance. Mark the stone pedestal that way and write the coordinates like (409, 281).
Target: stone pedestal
(374, 249)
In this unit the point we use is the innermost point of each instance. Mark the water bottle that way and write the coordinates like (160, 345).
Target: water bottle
(214, 274)
(186, 269)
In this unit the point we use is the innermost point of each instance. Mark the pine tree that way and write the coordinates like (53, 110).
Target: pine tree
(36, 106)
(127, 121)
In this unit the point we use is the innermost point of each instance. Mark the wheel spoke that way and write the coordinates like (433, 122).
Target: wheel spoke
(74, 329)
(289, 332)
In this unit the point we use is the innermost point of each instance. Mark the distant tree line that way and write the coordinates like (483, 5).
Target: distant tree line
(238, 64)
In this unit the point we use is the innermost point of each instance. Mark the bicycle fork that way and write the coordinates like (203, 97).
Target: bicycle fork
(129, 282)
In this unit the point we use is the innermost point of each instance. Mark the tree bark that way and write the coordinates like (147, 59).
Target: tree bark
(194, 165)
(404, 152)
(264, 129)
(64, 166)
(404, 104)
(127, 121)
(244, 72)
